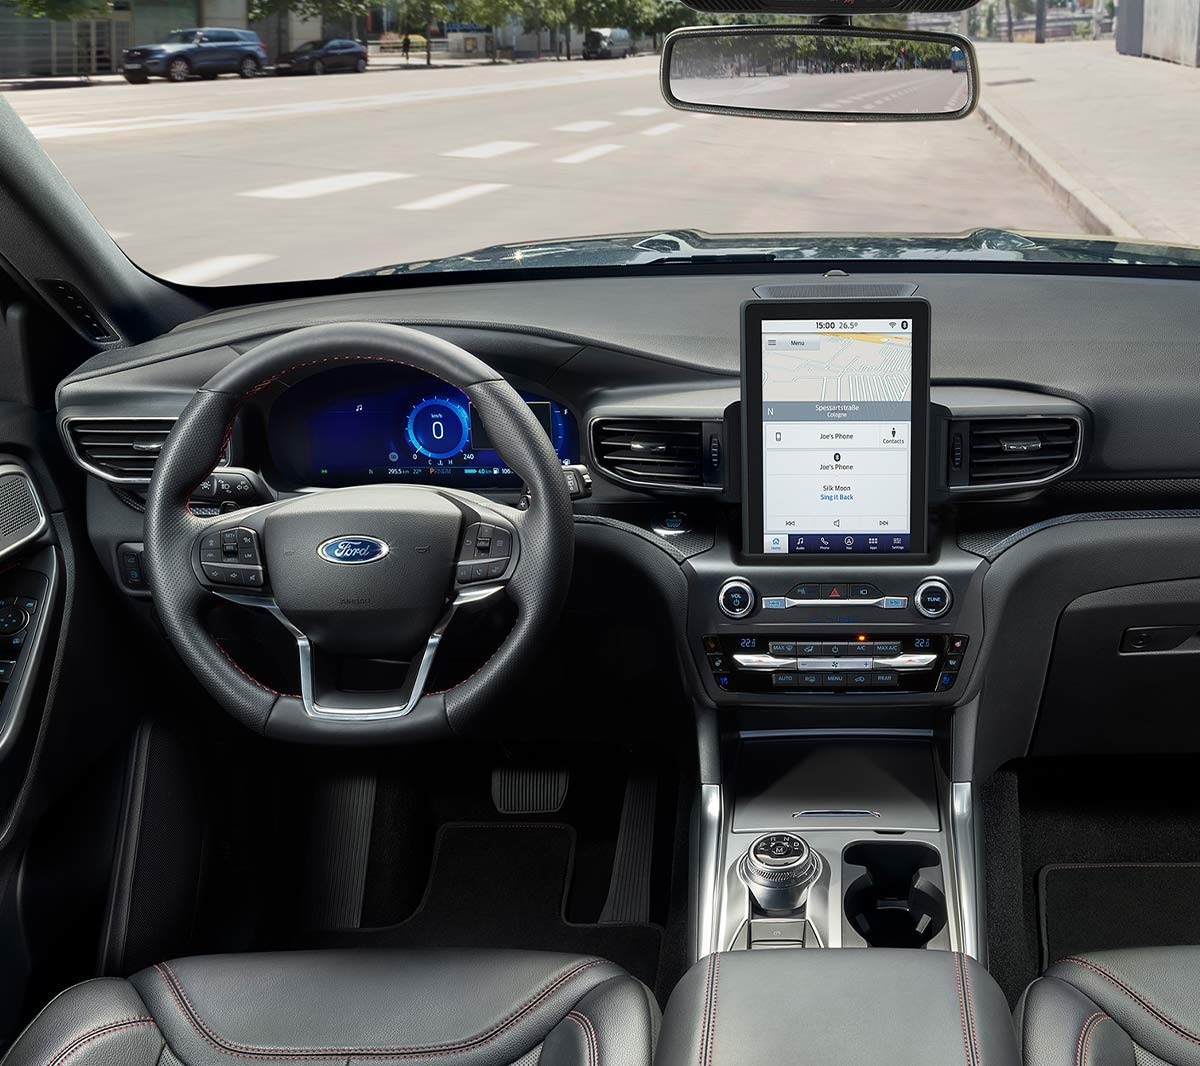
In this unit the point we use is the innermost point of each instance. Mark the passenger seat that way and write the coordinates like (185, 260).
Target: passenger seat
(1127, 1007)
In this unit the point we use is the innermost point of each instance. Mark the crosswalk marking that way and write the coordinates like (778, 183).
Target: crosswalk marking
(586, 154)
(587, 126)
(641, 112)
(453, 196)
(303, 190)
(659, 130)
(206, 270)
(489, 150)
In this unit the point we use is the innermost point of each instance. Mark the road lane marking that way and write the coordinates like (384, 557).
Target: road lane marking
(206, 270)
(304, 190)
(587, 126)
(587, 154)
(641, 112)
(489, 150)
(454, 196)
(659, 130)
(299, 109)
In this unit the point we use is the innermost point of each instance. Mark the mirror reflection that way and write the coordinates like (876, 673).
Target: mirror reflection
(792, 70)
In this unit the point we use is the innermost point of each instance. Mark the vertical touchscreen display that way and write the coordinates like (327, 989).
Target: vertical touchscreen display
(838, 449)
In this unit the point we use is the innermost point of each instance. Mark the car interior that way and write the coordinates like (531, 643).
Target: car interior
(550, 666)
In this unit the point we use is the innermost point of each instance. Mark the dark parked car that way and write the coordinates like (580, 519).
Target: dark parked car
(206, 51)
(323, 57)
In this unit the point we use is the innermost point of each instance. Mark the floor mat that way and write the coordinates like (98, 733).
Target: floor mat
(502, 885)
(1088, 907)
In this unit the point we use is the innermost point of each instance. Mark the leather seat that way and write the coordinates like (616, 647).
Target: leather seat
(1127, 1007)
(451, 1008)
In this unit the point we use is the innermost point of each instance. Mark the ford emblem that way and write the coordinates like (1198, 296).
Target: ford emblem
(352, 550)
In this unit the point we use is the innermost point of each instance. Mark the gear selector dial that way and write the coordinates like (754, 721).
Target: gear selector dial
(779, 869)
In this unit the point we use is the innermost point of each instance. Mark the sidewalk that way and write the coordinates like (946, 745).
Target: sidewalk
(1115, 137)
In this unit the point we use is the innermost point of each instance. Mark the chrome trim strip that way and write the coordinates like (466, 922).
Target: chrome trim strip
(779, 603)
(1010, 485)
(707, 902)
(962, 833)
(43, 522)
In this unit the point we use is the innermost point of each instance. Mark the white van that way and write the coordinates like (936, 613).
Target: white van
(607, 44)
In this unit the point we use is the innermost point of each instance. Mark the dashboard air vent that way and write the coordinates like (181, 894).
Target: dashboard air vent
(651, 452)
(122, 450)
(995, 453)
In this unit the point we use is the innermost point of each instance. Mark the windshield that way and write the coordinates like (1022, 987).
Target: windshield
(181, 37)
(475, 140)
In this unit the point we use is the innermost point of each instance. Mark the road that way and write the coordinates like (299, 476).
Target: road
(898, 91)
(288, 178)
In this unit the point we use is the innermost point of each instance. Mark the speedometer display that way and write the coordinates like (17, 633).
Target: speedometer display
(356, 426)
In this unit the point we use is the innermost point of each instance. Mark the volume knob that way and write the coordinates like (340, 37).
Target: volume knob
(736, 598)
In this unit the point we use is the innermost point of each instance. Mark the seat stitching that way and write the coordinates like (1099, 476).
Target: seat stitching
(229, 1047)
(970, 1009)
(962, 1010)
(1150, 1009)
(95, 1034)
(1085, 1036)
(712, 1015)
(704, 1014)
(589, 1036)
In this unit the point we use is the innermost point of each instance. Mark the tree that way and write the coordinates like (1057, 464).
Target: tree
(62, 10)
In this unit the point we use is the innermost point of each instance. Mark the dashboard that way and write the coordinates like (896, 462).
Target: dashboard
(361, 425)
(1036, 468)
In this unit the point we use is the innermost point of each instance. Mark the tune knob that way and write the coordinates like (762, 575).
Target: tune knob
(779, 869)
(736, 597)
(933, 597)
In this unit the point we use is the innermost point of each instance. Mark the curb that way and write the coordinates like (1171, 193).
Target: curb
(1096, 215)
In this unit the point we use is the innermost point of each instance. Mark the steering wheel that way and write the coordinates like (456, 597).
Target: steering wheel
(377, 570)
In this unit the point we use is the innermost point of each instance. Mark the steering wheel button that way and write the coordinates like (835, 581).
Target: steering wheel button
(497, 567)
(209, 555)
(252, 578)
(463, 574)
(229, 536)
(479, 572)
(501, 542)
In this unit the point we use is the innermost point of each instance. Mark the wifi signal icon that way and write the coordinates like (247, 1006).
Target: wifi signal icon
(892, 324)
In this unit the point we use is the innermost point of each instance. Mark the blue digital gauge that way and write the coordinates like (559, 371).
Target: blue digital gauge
(438, 428)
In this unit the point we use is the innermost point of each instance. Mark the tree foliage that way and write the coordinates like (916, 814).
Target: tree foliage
(62, 9)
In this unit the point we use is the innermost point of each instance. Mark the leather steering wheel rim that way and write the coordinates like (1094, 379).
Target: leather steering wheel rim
(538, 586)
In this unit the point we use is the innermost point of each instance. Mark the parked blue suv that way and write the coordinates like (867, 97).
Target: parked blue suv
(206, 51)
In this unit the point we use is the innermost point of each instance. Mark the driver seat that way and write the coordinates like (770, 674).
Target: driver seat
(444, 1007)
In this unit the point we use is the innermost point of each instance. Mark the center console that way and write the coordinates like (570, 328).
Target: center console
(843, 590)
(833, 632)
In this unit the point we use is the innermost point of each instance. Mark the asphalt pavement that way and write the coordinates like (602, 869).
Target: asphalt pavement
(287, 178)
(911, 91)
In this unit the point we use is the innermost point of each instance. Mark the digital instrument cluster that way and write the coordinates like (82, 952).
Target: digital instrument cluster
(362, 425)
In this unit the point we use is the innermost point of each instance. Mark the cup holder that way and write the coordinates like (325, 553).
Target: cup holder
(894, 898)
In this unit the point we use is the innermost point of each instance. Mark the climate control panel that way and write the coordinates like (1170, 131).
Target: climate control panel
(831, 663)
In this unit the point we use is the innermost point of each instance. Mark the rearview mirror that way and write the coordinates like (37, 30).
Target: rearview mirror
(820, 73)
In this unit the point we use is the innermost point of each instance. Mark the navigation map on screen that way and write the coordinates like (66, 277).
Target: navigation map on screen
(836, 436)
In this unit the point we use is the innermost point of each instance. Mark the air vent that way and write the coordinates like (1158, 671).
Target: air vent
(123, 450)
(652, 452)
(999, 453)
(79, 311)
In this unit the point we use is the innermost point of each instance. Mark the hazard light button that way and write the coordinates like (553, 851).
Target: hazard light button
(835, 592)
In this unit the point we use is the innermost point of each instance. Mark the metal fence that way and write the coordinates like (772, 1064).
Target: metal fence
(47, 48)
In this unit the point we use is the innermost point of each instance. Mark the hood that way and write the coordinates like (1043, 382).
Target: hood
(157, 48)
(634, 249)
